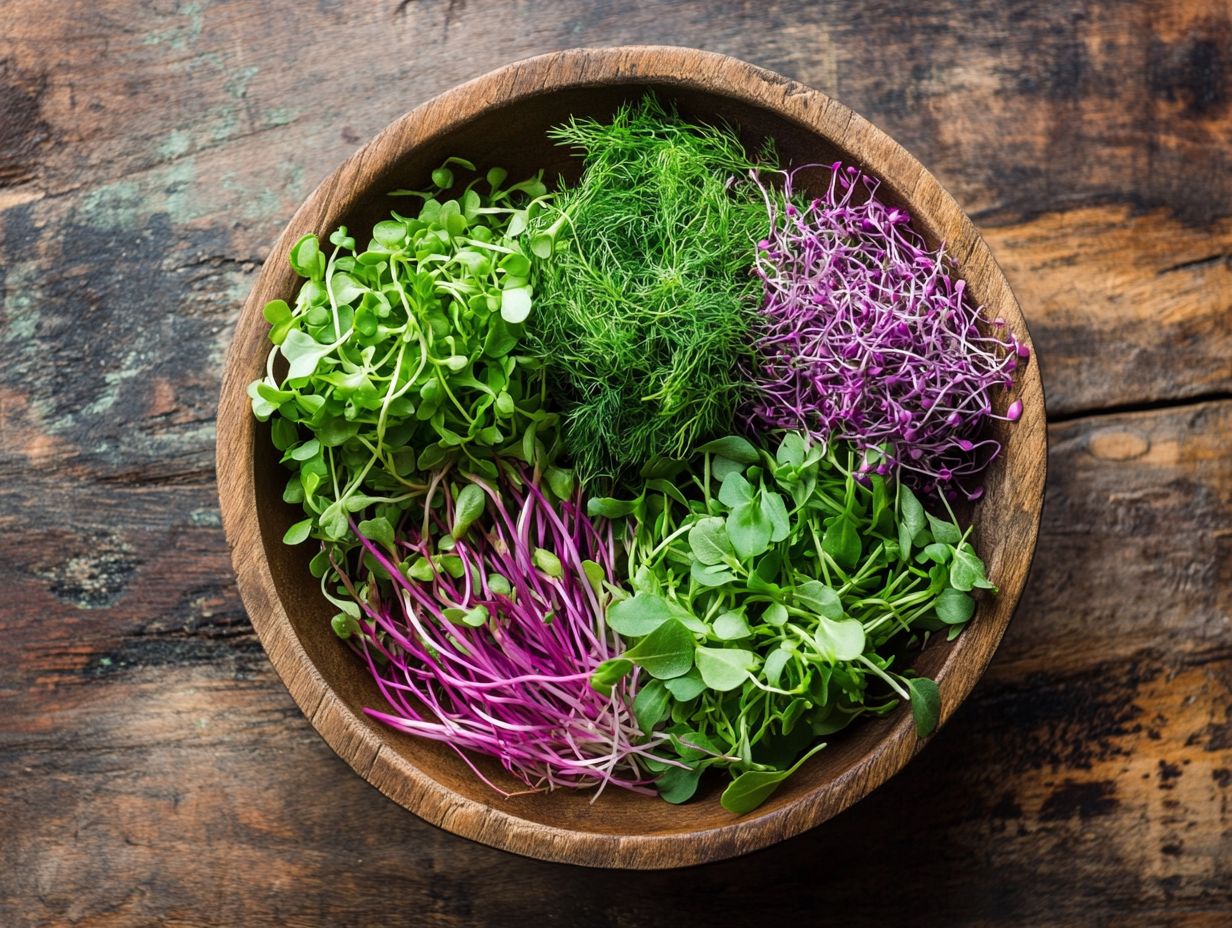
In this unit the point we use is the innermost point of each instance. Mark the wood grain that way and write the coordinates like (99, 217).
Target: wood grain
(152, 769)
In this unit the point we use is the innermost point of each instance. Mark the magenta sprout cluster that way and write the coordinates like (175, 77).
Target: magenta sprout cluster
(498, 659)
(864, 336)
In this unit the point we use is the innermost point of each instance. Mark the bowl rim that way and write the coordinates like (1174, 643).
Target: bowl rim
(341, 727)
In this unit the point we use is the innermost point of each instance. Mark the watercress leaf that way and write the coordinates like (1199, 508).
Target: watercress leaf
(724, 669)
(925, 704)
(709, 542)
(735, 490)
(775, 663)
(839, 641)
(967, 570)
(651, 705)
(609, 508)
(842, 541)
(710, 575)
(638, 615)
(678, 784)
(686, 687)
(732, 626)
(298, 532)
(749, 530)
(733, 447)
(954, 606)
(774, 509)
(945, 532)
(608, 674)
(468, 506)
(378, 530)
(515, 304)
(666, 652)
(815, 595)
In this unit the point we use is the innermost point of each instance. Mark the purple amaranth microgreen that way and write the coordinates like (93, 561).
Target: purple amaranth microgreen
(866, 336)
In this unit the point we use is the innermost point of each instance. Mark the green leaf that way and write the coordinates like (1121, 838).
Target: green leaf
(815, 595)
(775, 510)
(298, 532)
(724, 669)
(595, 575)
(638, 615)
(515, 304)
(709, 542)
(378, 530)
(468, 506)
(839, 641)
(608, 674)
(304, 354)
(732, 447)
(561, 482)
(651, 705)
(749, 530)
(276, 311)
(775, 614)
(499, 584)
(773, 668)
(735, 490)
(678, 784)
(608, 508)
(666, 652)
(753, 787)
(686, 687)
(791, 450)
(945, 532)
(925, 704)
(303, 256)
(711, 575)
(547, 562)
(967, 570)
(732, 626)
(346, 288)
(476, 617)
(842, 541)
(954, 606)
(421, 569)
(911, 514)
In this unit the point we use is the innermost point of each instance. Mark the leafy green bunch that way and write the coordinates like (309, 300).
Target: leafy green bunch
(645, 306)
(400, 358)
(774, 597)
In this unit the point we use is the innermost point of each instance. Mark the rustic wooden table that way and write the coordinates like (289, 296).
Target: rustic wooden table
(152, 768)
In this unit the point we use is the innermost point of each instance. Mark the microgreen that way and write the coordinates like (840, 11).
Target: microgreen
(776, 604)
(866, 336)
(643, 310)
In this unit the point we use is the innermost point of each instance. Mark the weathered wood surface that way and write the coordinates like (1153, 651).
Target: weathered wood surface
(153, 770)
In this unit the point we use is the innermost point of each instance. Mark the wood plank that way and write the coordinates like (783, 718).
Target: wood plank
(150, 761)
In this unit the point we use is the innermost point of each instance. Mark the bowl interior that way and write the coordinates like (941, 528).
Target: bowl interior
(513, 135)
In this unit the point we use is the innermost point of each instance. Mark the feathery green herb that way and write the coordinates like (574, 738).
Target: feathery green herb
(643, 310)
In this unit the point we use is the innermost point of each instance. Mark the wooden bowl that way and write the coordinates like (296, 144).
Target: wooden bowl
(501, 119)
